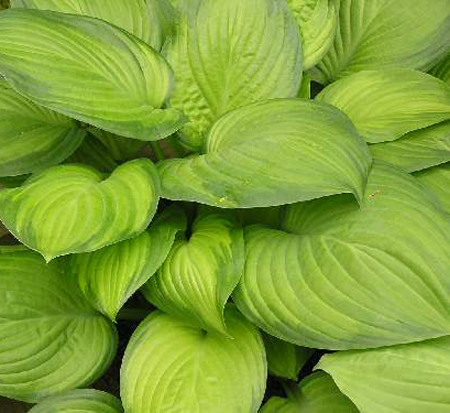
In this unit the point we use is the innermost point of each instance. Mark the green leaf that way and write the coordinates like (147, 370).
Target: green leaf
(342, 276)
(201, 272)
(384, 105)
(52, 339)
(438, 180)
(417, 150)
(442, 70)
(110, 276)
(73, 208)
(272, 153)
(388, 34)
(32, 137)
(412, 378)
(227, 54)
(315, 394)
(89, 70)
(169, 366)
(80, 401)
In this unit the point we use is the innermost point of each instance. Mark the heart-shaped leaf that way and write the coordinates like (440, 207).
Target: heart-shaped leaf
(438, 180)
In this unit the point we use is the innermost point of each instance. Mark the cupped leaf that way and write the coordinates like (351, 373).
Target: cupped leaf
(110, 276)
(201, 272)
(417, 150)
(343, 276)
(384, 105)
(73, 208)
(32, 137)
(388, 34)
(89, 70)
(438, 180)
(442, 70)
(227, 54)
(171, 366)
(411, 378)
(52, 338)
(272, 153)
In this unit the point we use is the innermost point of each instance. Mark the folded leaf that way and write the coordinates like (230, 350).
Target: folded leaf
(343, 276)
(72, 208)
(272, 153)
(388, 34)
(227, 54)
(384, 105)
(52, 339)
(170, 366)
(89, 70)
(412, 378)
(442, 70)
(110, 276)
(438, 180)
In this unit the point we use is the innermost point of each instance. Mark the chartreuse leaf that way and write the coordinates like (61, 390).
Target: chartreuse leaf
(169, 366)
(32, 137)
(52, 338)
(412, 378)
(272, 153)
(438, 180)
(417, 150)
(318, 22)
(110, 276)
(321, 282)
(201, 272)
(89, 70)
(227, 54)
(73, 208)
(442, 70)
(80, 401)
(386, 104)
(317, 393)
(388, 34)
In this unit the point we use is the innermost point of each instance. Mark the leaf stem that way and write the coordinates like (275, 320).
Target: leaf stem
(157, 151)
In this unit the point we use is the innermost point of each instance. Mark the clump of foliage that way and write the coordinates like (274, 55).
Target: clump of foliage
(256, 191)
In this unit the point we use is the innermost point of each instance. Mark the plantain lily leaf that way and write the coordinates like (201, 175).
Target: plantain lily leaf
(110, 276)
(89, 70)
(52, 339)
(272, 153)
(201, 272)
(411, 378)
(72, 208)
(442, 70)
(388, 34)
(321, 282)
(438, 180)
(80, 401)
(227, 54)
(169, 365)
(386, 104)
(315, 394)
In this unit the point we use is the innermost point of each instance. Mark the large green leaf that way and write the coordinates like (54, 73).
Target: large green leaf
(315, 394)
(227, 54)
(201, 272)
(73, 208)
(272, 153)
(438, 180)
(110, 276)
(343, 276)
(412, 378)
(442, 70)
(52, 340)
(89, 70)
(386, 104)
(387, 34)
(169, 366)
(32, 137)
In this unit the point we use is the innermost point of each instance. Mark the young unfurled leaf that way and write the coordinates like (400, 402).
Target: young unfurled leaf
(73, 208)
(52, 340)
(343, 276)
(108, 277)
(388, 34)
(412, 378)
(89, 70)
(384, 105)
(231, 53)
(272, 153)
(438, 180)
(169, 365)
(442, 70)
(32, 137)
(201, 272)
